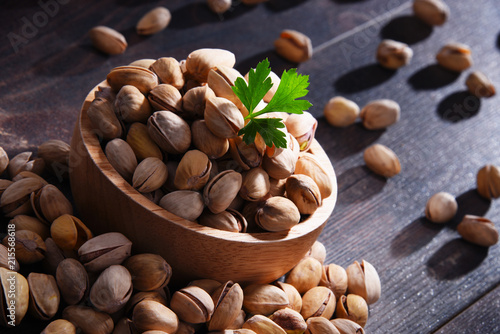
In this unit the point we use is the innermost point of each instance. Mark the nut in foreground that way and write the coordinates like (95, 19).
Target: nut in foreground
(363, 280)
(382, 160)
(478, 230)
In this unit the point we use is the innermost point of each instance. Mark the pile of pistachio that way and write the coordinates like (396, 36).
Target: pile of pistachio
(170, 129)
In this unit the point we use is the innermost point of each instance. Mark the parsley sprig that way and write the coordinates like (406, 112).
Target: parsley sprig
(292, 87)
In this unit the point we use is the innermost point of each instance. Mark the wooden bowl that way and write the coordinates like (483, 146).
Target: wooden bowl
(106, 202)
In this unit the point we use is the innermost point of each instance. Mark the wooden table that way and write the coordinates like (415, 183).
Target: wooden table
(432, 280)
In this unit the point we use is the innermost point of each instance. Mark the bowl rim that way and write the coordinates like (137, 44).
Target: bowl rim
(93, 148)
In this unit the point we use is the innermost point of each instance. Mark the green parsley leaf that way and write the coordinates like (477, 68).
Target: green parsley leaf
(267, 128)
(259, 83)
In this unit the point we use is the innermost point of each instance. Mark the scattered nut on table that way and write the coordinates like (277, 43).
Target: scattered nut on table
(480, 85)
(393, 55)
(441, 207)
(455, 57)
(382, 160)
(478, 230)
(341, 112)
(488, 181)
(108, 40)
(294, 46)
(380, 114)
(154, 21)
(432, 12)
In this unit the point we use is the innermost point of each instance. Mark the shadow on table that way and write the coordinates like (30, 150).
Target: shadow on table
(498, 41)
(362, 78)
(458, 106)
(278, 64)
(414, 236)
(432, 77)
(469, 203)
(280, 5)
(455, 259)
(358, 184)
(407, 29)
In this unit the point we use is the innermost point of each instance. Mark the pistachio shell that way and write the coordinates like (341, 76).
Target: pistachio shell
(15, 199)
(393, 55)
(44, 295)
(382, 160)
(50, 203)
(353, 307)
(145, 62)
(294, 46)
(261, 324)
(131, 105)
(346, 326)
(307, 164)
(192, 304)
(334, 277)
(194, 101)
(72, 280)
(304, 192)
(247, 156)
(204, 140)
(6, 261)
(140, 77)
(294, 298)
(281, 165)
(223, 117)
(478, 230)
(380, 114)
(103, 119)
(302, 127)
(151, 315)
(305, 275)
(4, 160)
(318, 302)
(168, 71)
(104, 250)
(221, 190)
(149, 175)
(23, 222)
(432, 12)
(488, 181)
(169, 131)
(264, 299)
(112, 289)
(69, 232)
(122, 157)
(255, 184)
(455, 57)
(228, 301)
(201, 61)
(480, 85)
(149, 271)
(157, 296)
(141, 143)
(363, 280)
(340, 111)
(221, 80)
(291, 321)
(55, 154)
(229, 220)
(154, 21)
(22, 162)
(277, 214)
(59, 326)
(88, 320)
(186, 204)
(166, 97)
(108, 40)
(20, 298)
(320, 325)
(193, 171)
(29, 247)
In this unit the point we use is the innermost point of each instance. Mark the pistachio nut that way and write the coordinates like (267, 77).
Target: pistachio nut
(294, 298)
(88, 320)
(26, 174)
(154, 21)
(122, 157)
(219, 6)
(263, 325)
(255, 184)
(441, 207)
(346, 326)
(207, 284)
(44, 296)
(4, 160)
(239, 321)
(291, 321)
(124, 326)
(221, 79)
(318, 302)
(108, 40)
(277, 214)
(221, 190)
(194, 101)
(183, 328)
(4, 184)
(192, 304)
(187, 204)
(478, 230)
(341, 112)
(204, 140)
(166, 97)
(131, 105)
(7, 261)
(302, 127)
(303, 191)
(140, 77)
(103, 119)
(305, 275)
(320, 325)
(317, 251)
(55, 154)
(236, 331)
(294, 46)
(352, 307)
(151, 315)
(15, 199)
(393, 55)
(334, 277)
(149, 271)
(264, 299)
(282, 165)
(247, 155)
(149, 175)
(112, 289)
(72, 280)
(168, 71)
(201, 61)
(20, 299)
(157, 296)
(432, 12)
(480, 85)
(141, 143)
(50, 203)
(105, 92)
(252, 2)
(277, 187)
(59, 326)
(22, 162)
(29, 246)
(53, 256)
(69, 232)
(382, 160)
(455, 57)
(380, 114)
(145, 62)
(104, 250)
(223, 117)
(193, 171)
(488, 181)
(23, 222)
(363, 280)
(229, 220)
(228, 301)
(169, 186)
(169, 131)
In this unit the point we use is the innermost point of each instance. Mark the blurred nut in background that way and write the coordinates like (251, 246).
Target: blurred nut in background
(393, 55)
(480, 85)
(219, 6)
(455, 57)
(441, 207)
(108, 40)
(293, 46)
(380, 114)
(154, 21)
(432, 12)
(149, 271)
(488, 181)
(341, 112)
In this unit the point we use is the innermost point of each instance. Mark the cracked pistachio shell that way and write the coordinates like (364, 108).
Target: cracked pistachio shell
(201, 61)
(380, 114)
(23, 222)
(277, 187)
(281, 165)
(352, 307)
(264, 299)
(22, 162)
(55, 153)
(305, 275)
(88, 320)
(277, 214)
(221, 80)
(334, 277)
(263, 325)
(169, 131)
(141, 142)
(488, 181)
(123, 326)
(455, 57)
(104, 250)
(166, 97)
(193, 171)
(53, 256)
(103, 119)
(393, 55)
(73, 281)
(318, 302)
(294, 46)
(194, 101)
(26, 174)
(441, 207)
(363, 280)
(432, 12)
(346, 326)
(302, 127)
(29, 247)
(294, 297)
(4, 184)
(154, 21)
(112, 289)
(168, 71)
(223, 117)
(149, 175)
(59, 326)
(320, 325)
(480, 85)
(6, 261)
(187, 204)
(44, 296)
(204, 140)
(341, 112)
(157, 296)
(317, 251)
(20, 298)
(140, 77)
(229, 220)
(255, 184)
(131, 105)
(183, 328)
(240, 320)
(192, 304)
(291, 321)
(247, 156)
(478, 230)
(149, 271)
(228, 301)
(69, 232)
(15, 199)
(50, 203)
(304, 192)
(382, 160)
(145, 62)
(108, 40)
(221, 190)
(122, 157)
(4, 160)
